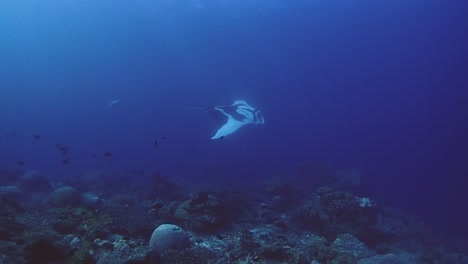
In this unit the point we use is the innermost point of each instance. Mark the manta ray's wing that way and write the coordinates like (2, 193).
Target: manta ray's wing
(218, 116)
(230, 127)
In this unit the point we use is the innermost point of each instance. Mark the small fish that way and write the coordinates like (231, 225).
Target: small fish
(65, 161)
(21, 163)
(112, 103)
(37, 136)
(61, 148)
(107, 154)
(155, 143)
(163, 138)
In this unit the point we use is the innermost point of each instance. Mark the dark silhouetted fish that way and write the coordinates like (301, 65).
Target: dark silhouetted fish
(61, 148)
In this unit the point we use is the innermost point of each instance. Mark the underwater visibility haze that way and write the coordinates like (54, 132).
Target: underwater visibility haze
(206, 114)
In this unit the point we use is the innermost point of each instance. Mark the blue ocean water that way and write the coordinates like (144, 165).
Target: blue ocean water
(380, 86)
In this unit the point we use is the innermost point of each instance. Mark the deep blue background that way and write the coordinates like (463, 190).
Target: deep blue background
(376, 85)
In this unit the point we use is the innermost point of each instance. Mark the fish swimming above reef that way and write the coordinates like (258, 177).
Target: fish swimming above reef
(112, 103)
(234, 116)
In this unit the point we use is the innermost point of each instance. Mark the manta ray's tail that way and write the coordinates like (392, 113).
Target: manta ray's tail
(197, 108)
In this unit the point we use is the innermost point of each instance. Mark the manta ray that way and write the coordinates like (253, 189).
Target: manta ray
(234, 116)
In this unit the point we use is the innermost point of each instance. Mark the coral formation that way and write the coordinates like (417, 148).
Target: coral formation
(64, 197)
(168, 236)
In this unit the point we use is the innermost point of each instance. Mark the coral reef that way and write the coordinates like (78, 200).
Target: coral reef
(279, 222)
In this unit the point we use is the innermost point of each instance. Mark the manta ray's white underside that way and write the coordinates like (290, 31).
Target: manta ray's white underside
(238, 114)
